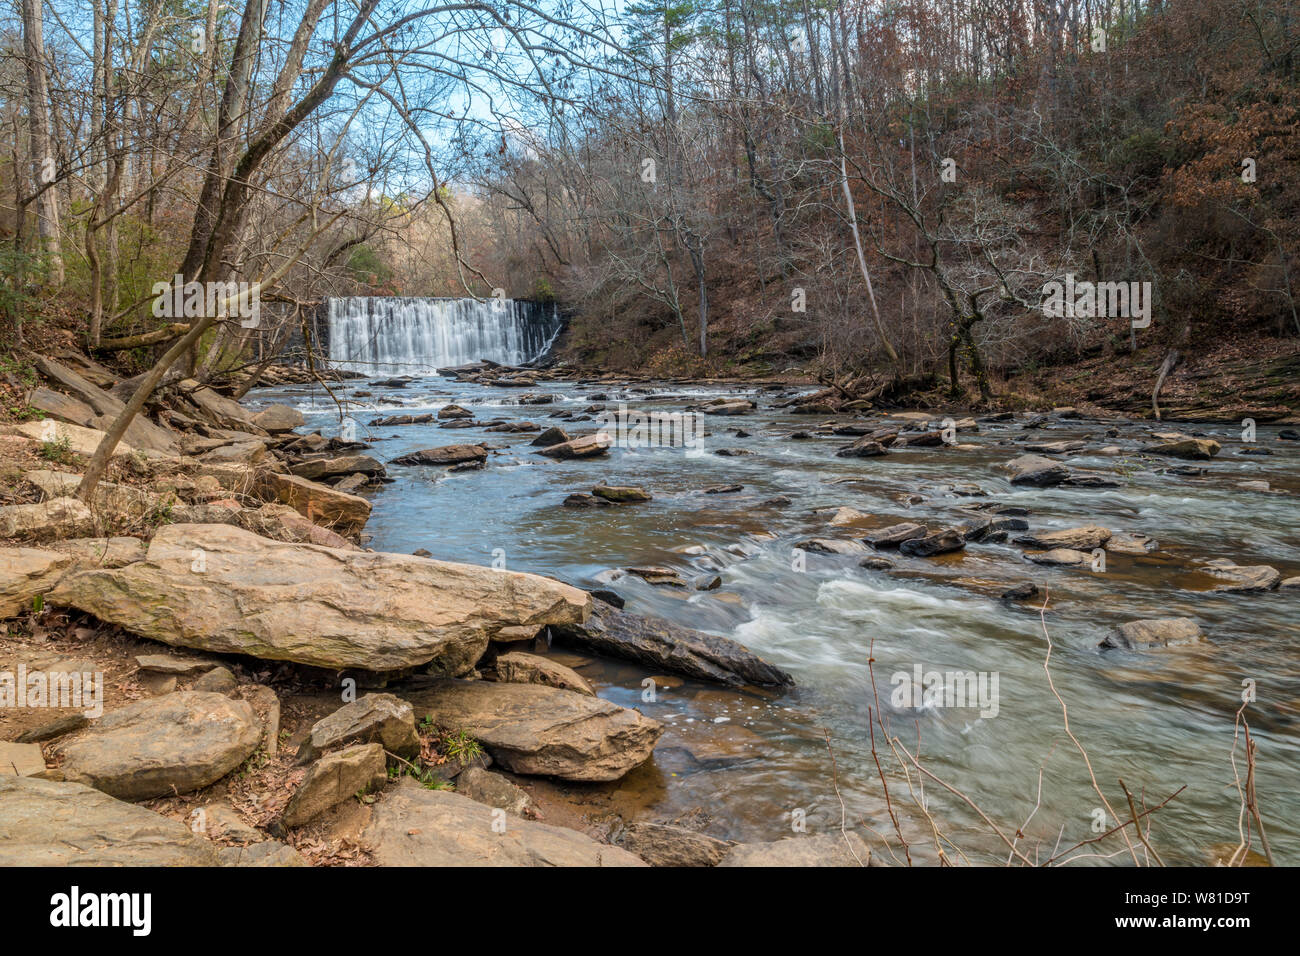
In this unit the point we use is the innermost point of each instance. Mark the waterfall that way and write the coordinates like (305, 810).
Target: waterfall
(387, 335)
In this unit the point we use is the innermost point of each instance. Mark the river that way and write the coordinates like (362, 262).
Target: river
(758, 762)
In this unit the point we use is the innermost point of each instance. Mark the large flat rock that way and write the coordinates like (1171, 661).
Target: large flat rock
(175, 743)
(412, 826)
(48, 823)
(533, 729)
(224, 589)
(25, 573)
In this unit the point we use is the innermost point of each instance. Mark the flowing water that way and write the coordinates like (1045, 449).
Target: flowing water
(758, 761)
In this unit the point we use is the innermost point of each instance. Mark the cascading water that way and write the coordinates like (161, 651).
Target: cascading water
(389, 335)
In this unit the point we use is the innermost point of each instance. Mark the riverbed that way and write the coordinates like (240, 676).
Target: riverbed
(759, 764)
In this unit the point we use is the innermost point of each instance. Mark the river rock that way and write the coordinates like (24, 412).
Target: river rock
(384, 719)
(823, 849)
(314, 605)
(1244, 580)
(56, 518)
(995, 529)
(1162, 632)
(551, 436)
(278, 418)
(443, 455)
(621, 494)
(830, 546)
(329, 507)
(531, 729)
(175, 743)
(1021, 592)
(265, 853)
(334, 778)
(1196, 449)
(865, 448)
(493, 789)
(516, 667)
(453, 412)
(1056, 447)
(738, 407)
(1131, 542)
(412, 826)
(25, 573)
(49, 823)
(895, 535)
(1036, 470)
(1061, 557)
(240, 452)
(662, 646)
(314, 469)
(665, 845)
(588, 446)
(218, 409)
(1078, 539)
(939, 542)
(283, 523)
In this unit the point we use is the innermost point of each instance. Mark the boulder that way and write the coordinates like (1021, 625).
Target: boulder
(551, 436)
(1195, 449)
(278, 418)
(314, 469)
(285, 524)
(171, 744)
(662, 646)
(517, 667)
(621, 494)
(1056, 447)
(115, 552)
(1036, 470)
(56, 518)
(665, 845)
(265, 853)
(738, 407)
(216, 408)
(26, 573)
(81, 441)
(939, 542)
(223, 589)
(1245, 580)
(219, 680)
(1162, 632)
(375, 718)
(895, 535)
(239, 452)
(320, 504)
(822, 849)
(443, 455)
(494, 789)
(412, 826)
(1077, 539)
(334, 778)
(528, 728)
(21, 759)
(454, 412)
(863, 448)
(141, 433)
(588, 446)
(49, 823)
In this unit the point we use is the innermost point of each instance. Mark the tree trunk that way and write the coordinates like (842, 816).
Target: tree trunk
(42, 153)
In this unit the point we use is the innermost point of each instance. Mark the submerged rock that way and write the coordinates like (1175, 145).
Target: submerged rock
(1163, 632)
(940, 542)
(895, 535)
(1078, 539)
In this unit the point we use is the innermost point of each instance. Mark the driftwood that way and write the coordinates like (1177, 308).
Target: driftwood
(1166, 367)
(168, 332)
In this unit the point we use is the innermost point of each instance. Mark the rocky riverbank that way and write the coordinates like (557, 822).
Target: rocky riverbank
(204, 665)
